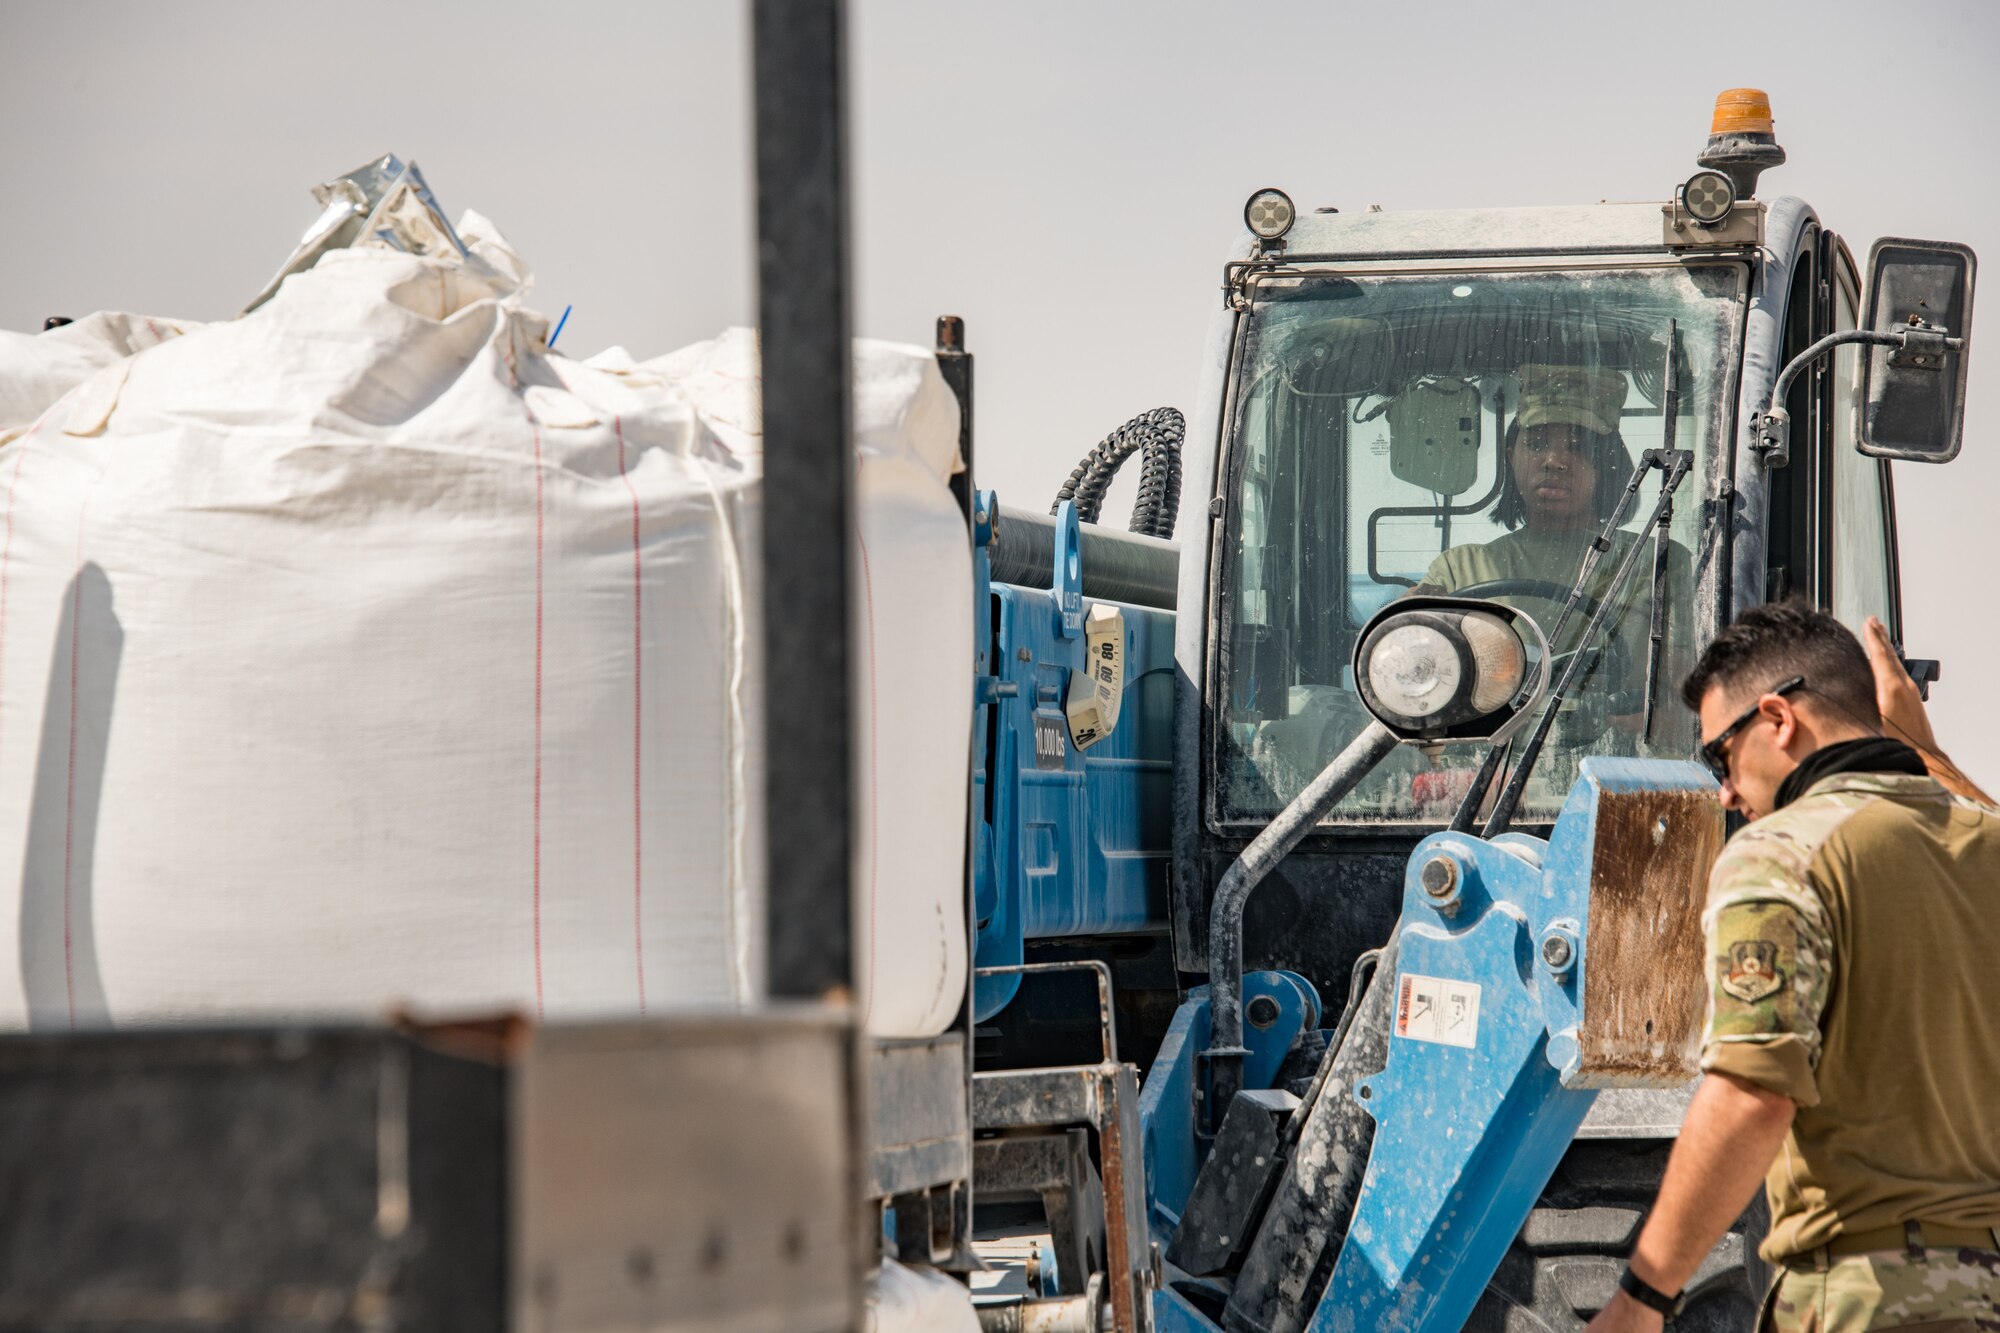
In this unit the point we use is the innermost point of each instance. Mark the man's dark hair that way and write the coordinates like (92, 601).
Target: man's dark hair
(1607, 454)
(1770, 644)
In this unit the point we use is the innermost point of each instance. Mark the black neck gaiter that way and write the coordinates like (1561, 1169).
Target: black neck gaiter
(1870, 754)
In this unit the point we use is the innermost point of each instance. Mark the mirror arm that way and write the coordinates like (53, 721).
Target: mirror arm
(1773, 430)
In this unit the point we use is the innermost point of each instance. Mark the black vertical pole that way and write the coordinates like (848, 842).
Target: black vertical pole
(808, 470)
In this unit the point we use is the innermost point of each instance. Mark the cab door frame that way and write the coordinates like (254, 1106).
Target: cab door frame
(1803, 517)
(1797, 555)
(1842, 279)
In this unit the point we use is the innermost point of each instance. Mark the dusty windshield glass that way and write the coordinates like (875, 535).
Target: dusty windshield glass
(1466, 434)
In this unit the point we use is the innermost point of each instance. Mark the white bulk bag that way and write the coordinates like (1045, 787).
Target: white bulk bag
(359, 653)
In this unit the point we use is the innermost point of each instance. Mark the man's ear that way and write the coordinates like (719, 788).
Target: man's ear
(1784, 718)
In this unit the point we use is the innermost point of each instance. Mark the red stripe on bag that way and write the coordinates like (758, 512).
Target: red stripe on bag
(534, 428)
(539, 541)
(638, 718)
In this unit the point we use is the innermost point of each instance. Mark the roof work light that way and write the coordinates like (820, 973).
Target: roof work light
(1269, 215)
(1707, 197)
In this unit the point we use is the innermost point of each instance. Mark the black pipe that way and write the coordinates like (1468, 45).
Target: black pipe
(808, 474)
(1866, 337)
(1157, 437)
(1225, 918)
(1117, 566)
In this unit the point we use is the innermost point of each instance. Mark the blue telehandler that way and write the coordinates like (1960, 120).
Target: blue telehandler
(1337, 871)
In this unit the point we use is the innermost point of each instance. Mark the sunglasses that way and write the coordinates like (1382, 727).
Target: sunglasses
(1714, 754)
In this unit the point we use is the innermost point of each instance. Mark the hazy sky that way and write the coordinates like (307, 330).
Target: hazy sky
(1064, 175)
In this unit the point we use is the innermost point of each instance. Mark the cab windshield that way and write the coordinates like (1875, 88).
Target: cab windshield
(1466, 434)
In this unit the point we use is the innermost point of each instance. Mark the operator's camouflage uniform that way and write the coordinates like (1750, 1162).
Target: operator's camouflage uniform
(1555, 558)
(1854, 960)
(1615, 684)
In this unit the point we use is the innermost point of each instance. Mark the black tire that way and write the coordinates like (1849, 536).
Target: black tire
(1564, 1265)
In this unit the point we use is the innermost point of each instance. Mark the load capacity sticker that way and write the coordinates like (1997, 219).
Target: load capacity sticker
(1051, 747)
(1434, 1009)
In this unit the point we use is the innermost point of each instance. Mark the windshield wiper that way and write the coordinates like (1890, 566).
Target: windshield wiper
(1670, 407)
(1674, 465)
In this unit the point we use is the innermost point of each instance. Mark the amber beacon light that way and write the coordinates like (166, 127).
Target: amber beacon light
(1742, 111)
(1741, 141)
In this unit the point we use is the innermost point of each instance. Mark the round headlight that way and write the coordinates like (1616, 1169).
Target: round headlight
(1414, 670)
(1708, 196)
(1438, 669)
(1269, 214)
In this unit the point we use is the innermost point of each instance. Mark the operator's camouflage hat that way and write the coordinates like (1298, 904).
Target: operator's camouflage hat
(1584, 396)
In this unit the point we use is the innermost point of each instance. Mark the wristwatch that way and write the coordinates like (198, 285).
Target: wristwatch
(1647, 1294)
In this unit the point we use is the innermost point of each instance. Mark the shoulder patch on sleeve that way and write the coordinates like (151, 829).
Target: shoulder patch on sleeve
(1753, 972)
(1768, 975)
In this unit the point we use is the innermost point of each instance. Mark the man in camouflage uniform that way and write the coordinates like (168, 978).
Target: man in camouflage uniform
(1852, 1048)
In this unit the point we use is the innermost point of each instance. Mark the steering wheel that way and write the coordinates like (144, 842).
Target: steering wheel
(1546, 589)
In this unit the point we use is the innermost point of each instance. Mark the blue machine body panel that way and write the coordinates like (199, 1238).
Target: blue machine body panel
(1174, 1313)
(1169, 1123)
(1066, 841)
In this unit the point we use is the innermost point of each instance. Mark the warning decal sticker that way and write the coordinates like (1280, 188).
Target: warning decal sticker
(1433, 1009)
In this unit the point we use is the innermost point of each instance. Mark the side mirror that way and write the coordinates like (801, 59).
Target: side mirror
(1913, 395)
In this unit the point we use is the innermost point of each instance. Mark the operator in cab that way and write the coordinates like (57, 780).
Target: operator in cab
(1564, 466)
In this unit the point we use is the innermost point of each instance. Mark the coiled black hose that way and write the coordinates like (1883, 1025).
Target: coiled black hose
(1156, 436)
